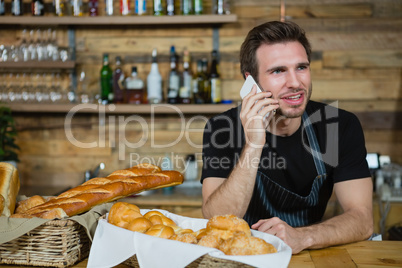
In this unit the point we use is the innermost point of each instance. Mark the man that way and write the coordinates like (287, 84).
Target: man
(277, 171)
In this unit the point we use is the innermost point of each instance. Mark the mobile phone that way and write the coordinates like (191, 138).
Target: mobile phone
(247, 86)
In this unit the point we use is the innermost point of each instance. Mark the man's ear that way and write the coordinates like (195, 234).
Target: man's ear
(246, 74)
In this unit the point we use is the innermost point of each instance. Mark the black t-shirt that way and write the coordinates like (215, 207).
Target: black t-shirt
(287, 160)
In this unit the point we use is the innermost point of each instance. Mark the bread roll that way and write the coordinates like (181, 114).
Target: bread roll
(225, 226)
(29, 203)
(185, 238)
(2, 201)
(211, 241)
(122, 213)
(160, 230)
(9, 187)
(242, 244)
(139, 224)
(156, 217)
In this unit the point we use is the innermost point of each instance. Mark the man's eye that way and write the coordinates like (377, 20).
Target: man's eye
(303, 67)
(277, 71)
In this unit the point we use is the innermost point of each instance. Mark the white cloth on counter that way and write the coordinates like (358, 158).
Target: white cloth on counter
(113, 245)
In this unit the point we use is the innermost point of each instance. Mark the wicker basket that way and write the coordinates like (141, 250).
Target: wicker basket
(203, 261)
(56, 243)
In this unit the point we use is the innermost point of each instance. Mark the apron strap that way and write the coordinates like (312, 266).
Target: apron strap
(314, 146)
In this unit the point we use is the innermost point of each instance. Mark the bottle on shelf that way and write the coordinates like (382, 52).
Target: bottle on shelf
(31, 46)
(93, 8)
(58, 7)
(159, 7)
(109, 11)
(174, 78)
(170, 8)
(140, 7)
(134, 87)
(215, 79)
(23, 48)
(125, 7)
(198, 84)
(118, 81)
(2, 7)
(77, 8)
(207, 85)
(186, 93)
(186, 7)
(154, 81)
(198, 7)
(38, 7)
(17, 7)
(106, 75)
(221, 7)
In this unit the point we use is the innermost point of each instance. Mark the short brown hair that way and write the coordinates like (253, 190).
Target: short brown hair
(272, 32)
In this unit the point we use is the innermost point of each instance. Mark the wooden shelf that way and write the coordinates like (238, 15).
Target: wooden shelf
(122, 108)
(39, 64)
(119, 20)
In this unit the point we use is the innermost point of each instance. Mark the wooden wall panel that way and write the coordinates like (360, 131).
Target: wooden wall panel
(356, 64)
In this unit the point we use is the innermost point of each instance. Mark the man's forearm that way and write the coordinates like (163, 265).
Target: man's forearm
(351, 226)
(234, 194)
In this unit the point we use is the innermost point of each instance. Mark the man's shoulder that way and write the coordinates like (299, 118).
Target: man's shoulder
(231, 114)
(329, 110)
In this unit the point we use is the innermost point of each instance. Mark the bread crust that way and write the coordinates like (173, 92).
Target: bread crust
(9, 187)
(102, 190)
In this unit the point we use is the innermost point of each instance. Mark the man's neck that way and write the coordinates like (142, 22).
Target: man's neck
(281, 126)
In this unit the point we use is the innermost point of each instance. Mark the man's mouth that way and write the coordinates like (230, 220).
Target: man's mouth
(294, 99)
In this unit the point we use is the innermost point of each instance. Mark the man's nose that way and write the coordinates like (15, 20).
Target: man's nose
(292, 80)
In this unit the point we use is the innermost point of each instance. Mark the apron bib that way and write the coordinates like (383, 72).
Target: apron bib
(272, 200)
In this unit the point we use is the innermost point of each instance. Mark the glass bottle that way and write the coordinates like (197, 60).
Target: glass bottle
(185, 93)
(2, 7)
(206, 94)
(58, 6)
(77, 8)
(186, 7)
(159, 7)
(170, 8)
(198, 84)
(215, 79)
(154, 81)
(40, 47)
(174, 78)
(38, 7)
(106, 75)
(125, 8)
(198, 7)
(109, 8)
(17, 7)
(93, 8)
(140, 7)
(134, 87)
(221, 7)
(118, 80)
(24, 53)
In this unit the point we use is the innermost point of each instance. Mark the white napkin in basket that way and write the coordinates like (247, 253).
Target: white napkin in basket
(113, 245)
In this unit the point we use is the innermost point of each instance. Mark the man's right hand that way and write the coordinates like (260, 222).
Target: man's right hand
(252, 115)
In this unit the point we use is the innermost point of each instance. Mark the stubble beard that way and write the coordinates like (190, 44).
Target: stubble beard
(298, 113)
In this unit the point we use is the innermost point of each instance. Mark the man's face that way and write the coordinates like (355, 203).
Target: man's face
(284, 70)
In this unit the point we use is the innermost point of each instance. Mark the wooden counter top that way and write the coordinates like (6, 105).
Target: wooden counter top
(360, 254)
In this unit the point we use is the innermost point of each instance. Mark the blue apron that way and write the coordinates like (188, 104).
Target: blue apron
(272, 200)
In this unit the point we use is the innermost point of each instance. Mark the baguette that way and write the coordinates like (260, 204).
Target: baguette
(97, 191)
(9, 187)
